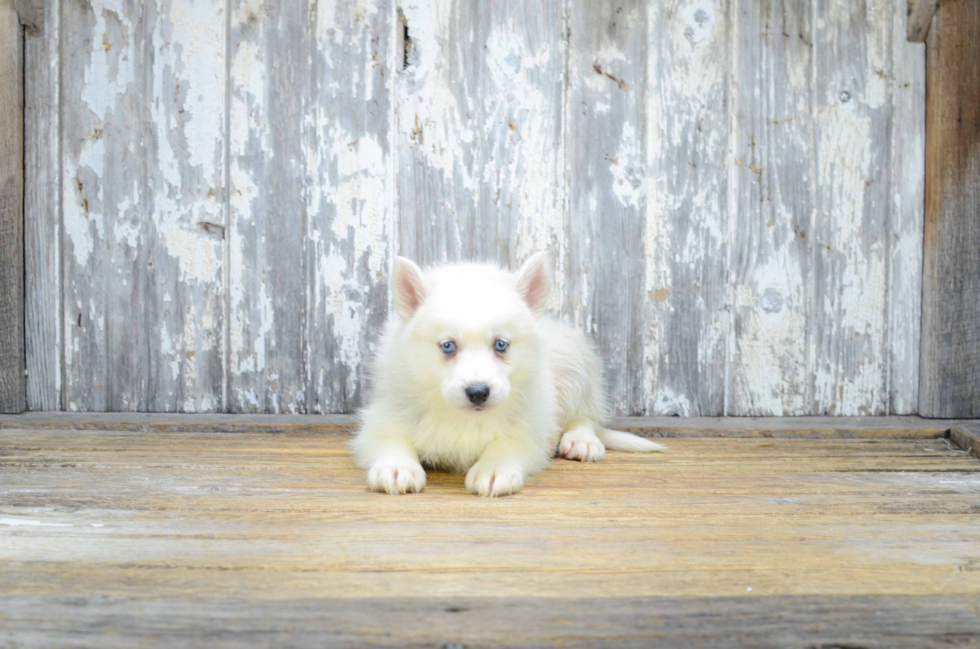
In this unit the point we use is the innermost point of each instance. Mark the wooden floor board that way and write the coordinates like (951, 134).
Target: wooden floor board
(135, 537)
(815, 427)
(663, 622)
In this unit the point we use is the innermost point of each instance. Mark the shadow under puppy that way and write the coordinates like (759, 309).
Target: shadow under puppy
(473, 377)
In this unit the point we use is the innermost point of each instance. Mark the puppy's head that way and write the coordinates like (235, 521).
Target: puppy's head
(470, 338)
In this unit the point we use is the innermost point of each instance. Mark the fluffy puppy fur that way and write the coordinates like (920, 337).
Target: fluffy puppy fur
(473, 377)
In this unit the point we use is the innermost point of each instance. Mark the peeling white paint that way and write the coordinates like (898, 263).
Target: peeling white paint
(772, 337)
(427, 97)
(667, 402)
(687, 216)
(478, 163)
(854, 300)
(699, 21)
(110, 72)
(83, 203)
(361, 224)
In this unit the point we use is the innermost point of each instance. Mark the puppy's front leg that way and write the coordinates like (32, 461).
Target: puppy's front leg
(390, 460)
(503, 466)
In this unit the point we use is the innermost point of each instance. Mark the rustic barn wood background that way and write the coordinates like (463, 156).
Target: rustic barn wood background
(216, 190)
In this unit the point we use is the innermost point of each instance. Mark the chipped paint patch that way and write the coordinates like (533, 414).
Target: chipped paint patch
(110, 72)
(627, 168)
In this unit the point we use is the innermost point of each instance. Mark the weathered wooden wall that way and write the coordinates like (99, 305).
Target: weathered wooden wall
(732, 190)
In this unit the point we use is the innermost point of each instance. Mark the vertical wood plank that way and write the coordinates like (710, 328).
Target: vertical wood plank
(42, 212)
(269, 104)
(479, 112)
(352, 235)
(848, 320)
(773, 185)
(142, 137)
(950, 352)
(311, 225)
(183, 233)
(687, 235)
(103, 193)
(607, 171)
(905, 216)
(12, 381)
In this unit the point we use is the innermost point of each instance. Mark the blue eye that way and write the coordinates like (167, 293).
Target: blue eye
(448, 347)
(501, 346)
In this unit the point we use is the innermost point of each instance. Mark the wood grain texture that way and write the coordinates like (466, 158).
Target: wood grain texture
(269, 76)
(810, 427)
(260, 530)
(479, 111)
(967, 437)
(12, 382)
(605, 162)
(351, 232)
(142, 211)
(311, 223)
(905, 218)
(42, 213)
(906, 622)
(182, 238)
(212, 423)
(104, 200)
(773, 184)
(849, 266)
(950, 376)
(688, 207)
(731, 191)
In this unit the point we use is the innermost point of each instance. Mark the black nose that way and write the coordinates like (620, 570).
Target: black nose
(478, 393)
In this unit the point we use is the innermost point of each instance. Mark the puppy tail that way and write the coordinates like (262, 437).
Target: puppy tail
(617, 440)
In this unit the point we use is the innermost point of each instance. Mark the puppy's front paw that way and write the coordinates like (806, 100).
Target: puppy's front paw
(488, 479)
(396, 476)
(581, 445)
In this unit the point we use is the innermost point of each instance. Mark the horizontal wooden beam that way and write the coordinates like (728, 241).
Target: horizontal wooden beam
(806, 427)
(179, 423)
(802, 427)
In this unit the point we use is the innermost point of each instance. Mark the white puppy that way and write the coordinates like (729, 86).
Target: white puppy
(472, 377)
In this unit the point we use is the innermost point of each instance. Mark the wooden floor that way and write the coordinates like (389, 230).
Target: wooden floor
(165, 535)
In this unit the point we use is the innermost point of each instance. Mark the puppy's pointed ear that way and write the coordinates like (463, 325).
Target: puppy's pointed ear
(409, 285)
(534, 281)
